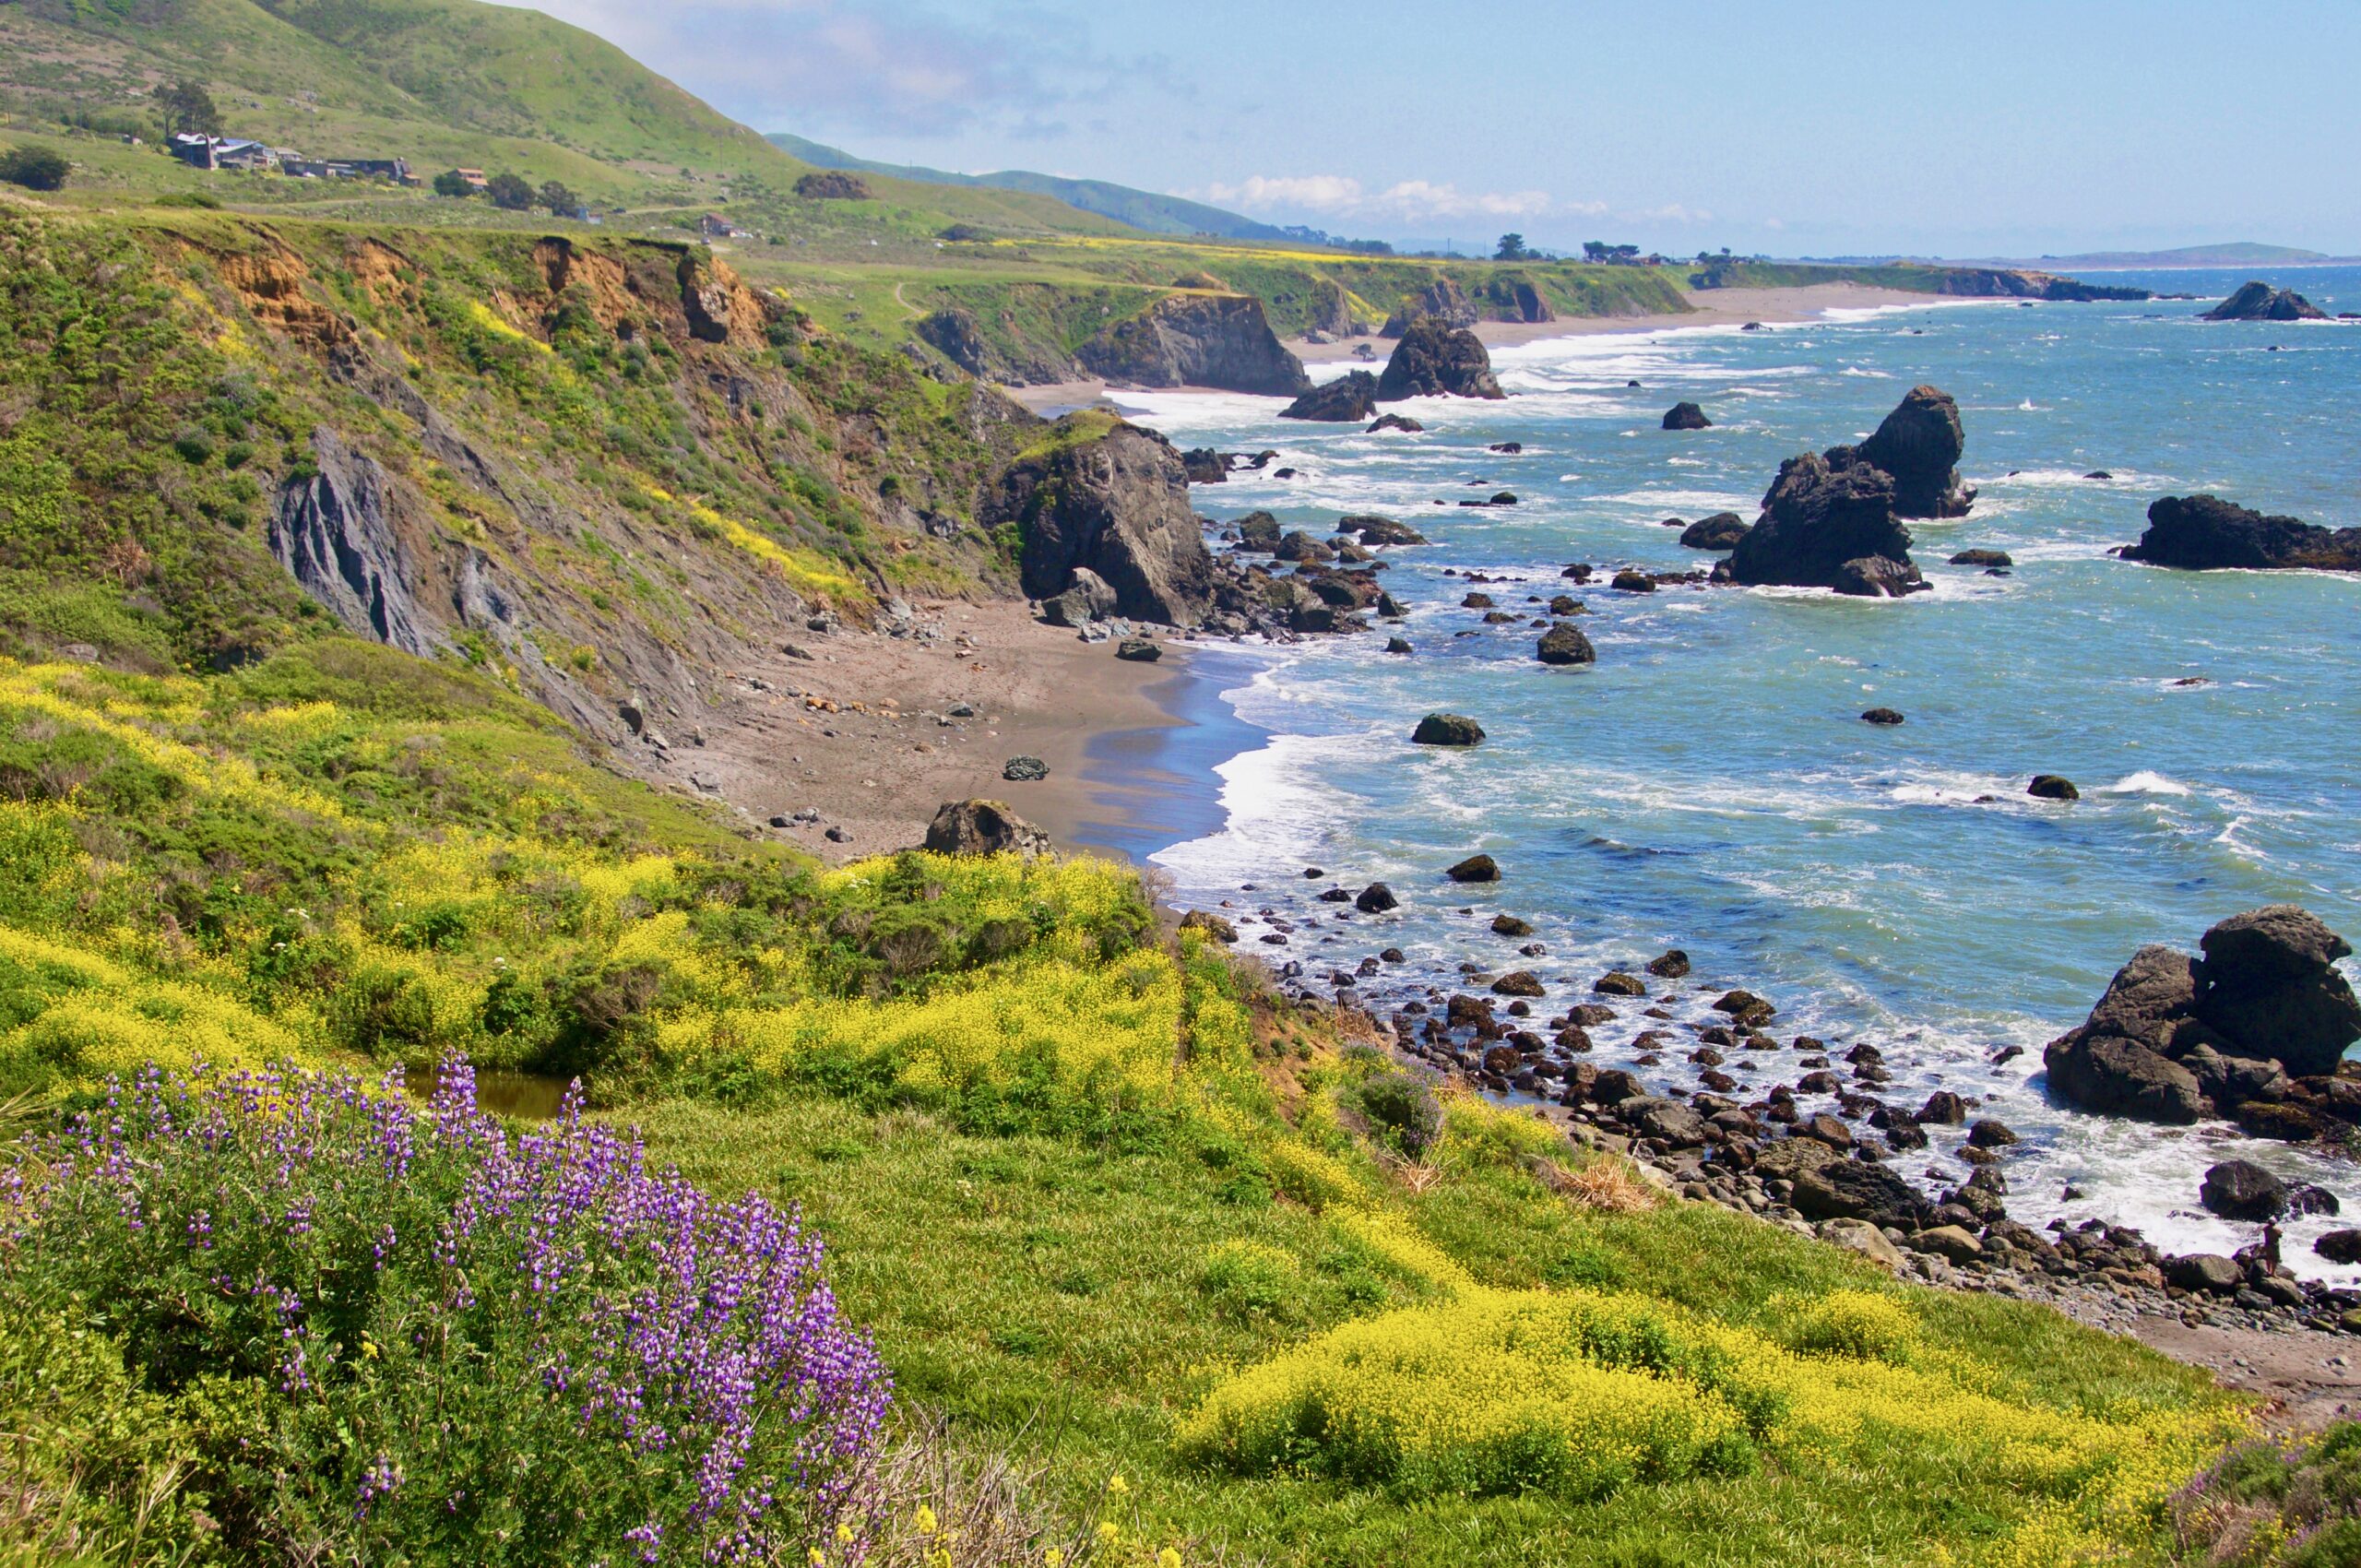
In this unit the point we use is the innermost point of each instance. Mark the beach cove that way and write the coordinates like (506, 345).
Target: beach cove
(1709, 785)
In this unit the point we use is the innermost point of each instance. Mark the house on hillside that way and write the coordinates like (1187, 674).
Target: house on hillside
(223, 152)
(476, 178)
(713, 226)
(395, 170)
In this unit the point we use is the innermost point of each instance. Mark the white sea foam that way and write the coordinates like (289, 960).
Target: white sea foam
(2147, 783)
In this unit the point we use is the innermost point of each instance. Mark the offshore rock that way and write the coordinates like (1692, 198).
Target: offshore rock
(2259, 302)
(1686, 416)
(1919, 444)
(1721, 531)
(1564, 644)
(1817, 516)
(1447, 730)
(1874, 577)
(1435, 360)
(2202, 533)
(1349, 399)
(2271, 990)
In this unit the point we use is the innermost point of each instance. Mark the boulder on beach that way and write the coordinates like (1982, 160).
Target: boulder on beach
(2266, 994)
(1138, 650)
(1686, 416)
(1857, 1189)
(1447, 730)
(1349, 399)
(1919, 444)
(1088, 597)
(2200, 533)
(1436, 360)
(1720, 531)
(1025, 771)
(1564, 644)
(1301, 546)
(2259, 300)
(983, 827)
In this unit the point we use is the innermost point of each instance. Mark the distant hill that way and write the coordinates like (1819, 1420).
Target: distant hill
(2241, 253)
(442, 83)
(2244, 254)
(1141, 209)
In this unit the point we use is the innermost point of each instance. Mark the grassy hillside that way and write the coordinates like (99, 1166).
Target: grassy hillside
(443, 83)
(1150, 212)
(604, 465)
(1112, 1213)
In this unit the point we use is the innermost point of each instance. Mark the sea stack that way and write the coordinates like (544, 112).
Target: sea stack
(2259, 300)
(1437, 359)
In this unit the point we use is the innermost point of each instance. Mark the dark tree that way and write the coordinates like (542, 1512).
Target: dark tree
(187, 108)
(510, 193)
(451, 183)
(1513, 248)
(560, 200)
(35, 168)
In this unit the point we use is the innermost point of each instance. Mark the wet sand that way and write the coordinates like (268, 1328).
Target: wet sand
(863, 732)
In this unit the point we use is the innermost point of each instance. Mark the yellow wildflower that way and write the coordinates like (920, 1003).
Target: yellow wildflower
(843, 1534)
(1117, 1486)
(1168, 1558)
(1053, 1558)
(1109, 1533)
(926, 1520)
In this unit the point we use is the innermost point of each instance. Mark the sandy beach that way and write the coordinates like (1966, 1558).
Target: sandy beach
(1713, 307)
(863, 730)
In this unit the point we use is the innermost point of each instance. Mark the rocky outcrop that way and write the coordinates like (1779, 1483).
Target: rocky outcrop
(1832, 520)
(1919, 444)
(1435, 360)
(1219, 340)
(1721, 531)
(335, 532)
(2269, 988)
(1111, 498)
(1442, 301)
(833, 184)
(2176, 1038)
(1349, 399)
(1375, 530)
(2200, 533)
(1686, 416)
(960, 334)
(983, 827)
(1816, 517)
(2259, 302)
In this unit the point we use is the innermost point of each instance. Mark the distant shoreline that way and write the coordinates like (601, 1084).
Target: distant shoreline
(1712, 307)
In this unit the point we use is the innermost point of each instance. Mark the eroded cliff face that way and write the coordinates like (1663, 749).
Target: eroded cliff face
(1219, 340)
(603, 472)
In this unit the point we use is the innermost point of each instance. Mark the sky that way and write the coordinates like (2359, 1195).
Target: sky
(1796, 127)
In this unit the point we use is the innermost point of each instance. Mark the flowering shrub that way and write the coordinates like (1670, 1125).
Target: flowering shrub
(1579, 1392)
(404, 1334)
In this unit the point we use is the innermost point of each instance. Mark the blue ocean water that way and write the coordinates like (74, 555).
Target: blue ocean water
(1709, 785)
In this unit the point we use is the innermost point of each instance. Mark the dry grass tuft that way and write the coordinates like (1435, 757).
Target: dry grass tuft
(1607, 1184)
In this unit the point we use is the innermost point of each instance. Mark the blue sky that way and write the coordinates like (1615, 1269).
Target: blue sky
(1797, 128)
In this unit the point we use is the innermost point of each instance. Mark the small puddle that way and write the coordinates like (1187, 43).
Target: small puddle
(520, 1097)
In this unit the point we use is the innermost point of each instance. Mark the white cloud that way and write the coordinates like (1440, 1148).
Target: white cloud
(1341, 196)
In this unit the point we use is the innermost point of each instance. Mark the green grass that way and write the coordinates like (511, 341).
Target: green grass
(1054, 1296)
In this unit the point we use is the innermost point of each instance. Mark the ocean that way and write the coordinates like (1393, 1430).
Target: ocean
(1709, 785)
